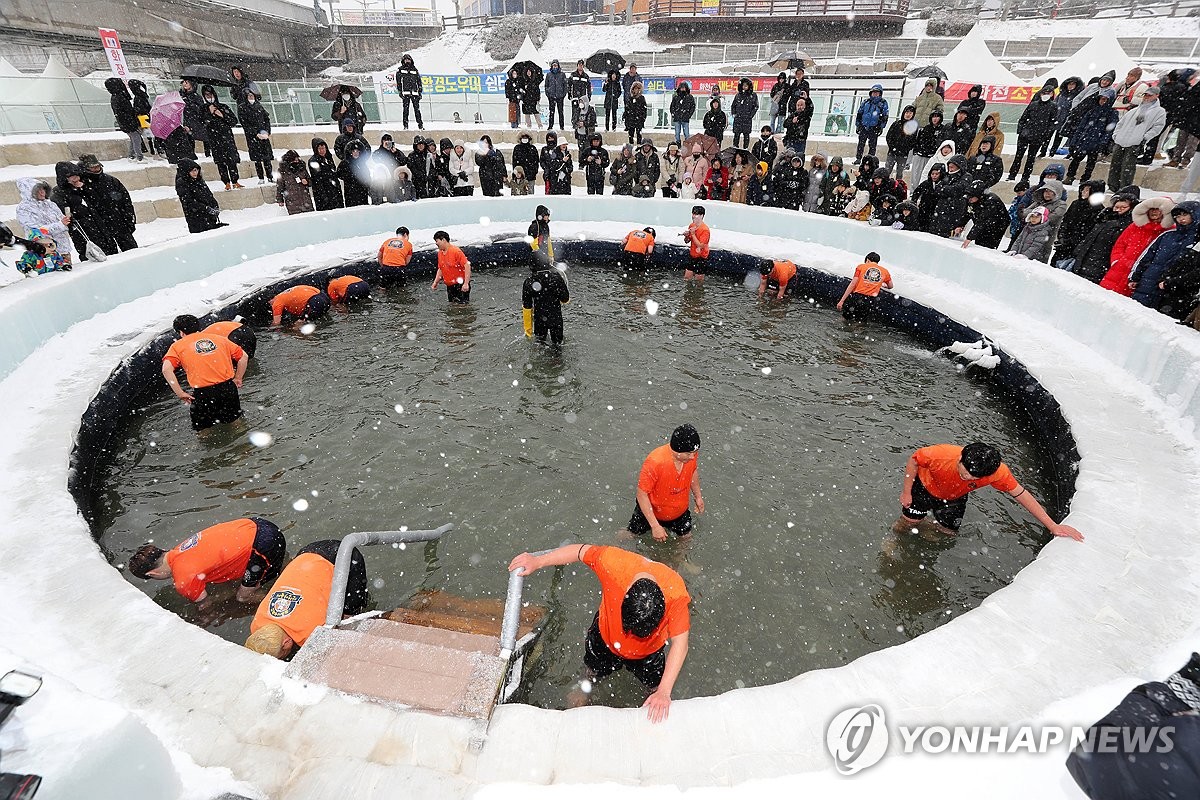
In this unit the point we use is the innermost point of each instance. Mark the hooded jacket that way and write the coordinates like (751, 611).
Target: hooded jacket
(994, 131)
(715, 122)
(43, 214)
(765, 150)
(113, 206)
(636, 109)
(1093, 253)
(421, 165)
(1162, 254)
(939, 157)
(1039, 119)
(1078, 220)
(1134, 241)
(973, 105)
(989, 217)
(835, 179)
(647, 163)
(141, 98)
(909, 221)
(1033, 242)
(872, 116)
(322, 173)
(1067, 92)
(683, 105)
(408, 78)
(791, 186)
(219, 128)
(818, 166)
(594, 159)
(986, 167)
(930, 137)
(293, 186)
(525, 155)
(961, 132)
(1096, 124)
(556, 82)
(200, 208)
(900, 139)
(950, 208)
(354, 172)
(744, 106)
(925, 194)
(122, 106)
(255, 120)
(623, 171)
(491, 167)
(346, 136)
(1141, 123)
(927, 102)
(797, 121)
(1171, 94)
(579, 85)
(672, 163)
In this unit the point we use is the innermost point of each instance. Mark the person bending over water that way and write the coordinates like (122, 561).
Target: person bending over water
(670, 476)
(938, 478)
(299, 302)
(638, 247)
(214, 367)
(643, 608)
(777, 276)
(861, 297)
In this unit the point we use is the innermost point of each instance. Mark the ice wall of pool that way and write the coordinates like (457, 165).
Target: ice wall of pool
(1080, 616)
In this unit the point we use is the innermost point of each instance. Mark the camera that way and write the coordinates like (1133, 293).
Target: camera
(16, 687)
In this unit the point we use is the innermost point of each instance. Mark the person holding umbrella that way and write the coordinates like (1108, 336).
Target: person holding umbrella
(530, 94)
(612, 96)
(193, 120)
(345, 104)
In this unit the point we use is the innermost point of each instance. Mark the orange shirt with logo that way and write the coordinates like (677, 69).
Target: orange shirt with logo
(871, 278)
(207, 359)
(299, 599)
(698, 237)
(937, 467)
(337, 287)
(395, 252)
(293, 300)
(669, 489)
(638, 242)
(782, 272)
(452, 263)
(214, 555)
(616, 569)
(222, 328)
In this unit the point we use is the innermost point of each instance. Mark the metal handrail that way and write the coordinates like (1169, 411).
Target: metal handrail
(341, 567)
(512, 610)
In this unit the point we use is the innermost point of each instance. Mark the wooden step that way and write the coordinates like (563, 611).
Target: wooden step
(484, 616)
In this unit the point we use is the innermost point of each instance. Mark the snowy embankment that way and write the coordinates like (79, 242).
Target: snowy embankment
(1075, 630)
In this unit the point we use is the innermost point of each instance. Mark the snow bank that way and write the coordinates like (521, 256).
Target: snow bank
(1076, 628)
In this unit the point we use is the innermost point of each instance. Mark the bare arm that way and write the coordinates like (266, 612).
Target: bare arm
(241, 370)
(168, 372)
(850, 287)
(437, 277)
(643, 501)
(467, 277)
(696, 492)
(1030, 504)
(527, 564)
(658, 704)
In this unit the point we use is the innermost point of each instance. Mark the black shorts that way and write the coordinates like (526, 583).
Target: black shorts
(604, 662)
(948, 513)
(634, 260)
(357, 291)
(680, 526)
(215, 404)
(860, 306)
(267, 555)
(699, 265)
(244, 338)
(455, 293)
(357, 593)
(773, 285)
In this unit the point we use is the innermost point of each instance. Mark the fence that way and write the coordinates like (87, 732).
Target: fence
(667, 9)
(392, 19)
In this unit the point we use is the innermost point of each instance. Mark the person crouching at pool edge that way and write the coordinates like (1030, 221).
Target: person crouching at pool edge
(938, 478)
(670, 476)
(777, 276)
(861, 298)
(299, 303)
(643, 608)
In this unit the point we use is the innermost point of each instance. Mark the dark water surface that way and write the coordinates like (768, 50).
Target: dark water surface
(524, 448)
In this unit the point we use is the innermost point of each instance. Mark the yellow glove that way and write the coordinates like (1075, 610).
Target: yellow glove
(527, 320)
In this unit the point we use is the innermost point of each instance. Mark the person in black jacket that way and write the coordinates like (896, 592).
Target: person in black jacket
(346, 107)
(348, 132)
(636, 111)
(543, 295)
(683, 108)
(421, 165)
(408, 86)
(256, 123)
(901, 137)
(962, 132)
(557, 166)
(525, 156)
(950, 208)
(512, 93)
(1093, 254)
(200, 208)
(974, 106)
(715, 121)
(743, 108)
(124, 115)
(141, 108)
(492, 169)
(241, 85)
(797, 87)
(791, 184)
(612, 97)
(219, 123)
(929, 138)
(81, 203)
(326, 188)
(385, 160)
(594, 161)
(908, 216)
(1035, 129)
(355, 172)
(579, 85)
(796, 125)
(985, 166)
(989, 216)
(1067, 93)
(925, 195)
(1081, 216)
(113, 207)
(766, 148)
(194, 123)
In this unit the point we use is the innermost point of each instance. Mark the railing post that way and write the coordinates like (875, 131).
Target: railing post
(512, 611)
(341, 567)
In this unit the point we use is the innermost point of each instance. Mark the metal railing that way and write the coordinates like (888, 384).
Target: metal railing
(512, 611)
(393, 19)
(341, 568)
(665, 9)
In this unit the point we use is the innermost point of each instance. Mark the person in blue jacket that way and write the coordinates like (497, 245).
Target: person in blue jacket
(1093, 133)
(1151, 270)
(870, 121)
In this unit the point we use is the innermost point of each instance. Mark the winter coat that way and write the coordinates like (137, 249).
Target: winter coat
(765, 150)
(909, 221)
(594, 159)
(1189, 110)
(778, 96)
(83, 203)
(962, 133)
(791, 187)
(1078, 221)
(194, 114)
(872, 115)
(353, 175)
(796, 89)
(627, 82)
(995, 132)
(718, 182)
(973, 106)
(43, 214)
(715, 121)
(835, 179)
(1134, 241)
(525, 155)
(938, 158)
(512, 89)
(816, 176)
(1038, 120)
(950, 208)
(558, 167)
(348, 110)
(461, 167)
(1033, 242)
(696, 166)
(113, 205)
(579, 85)
(900, 141)
(200, 208)
(759, 191)
(242, 85)
(797, 122)
(141, 99)
(322, 172)
(744, 107)
(341, 144)
(408, 78)
(1065, 99)
(929, 138)
(739, 182)
(293, 187)
(420, 164)
(925, 198)
(556, 83)
(990, 219)
(1140, 124)
(255, 119)
(1094, 252)
(1172, 92)
(986, 168)
(1095, 127)
(647, 164)
(623, 172)
(1162, 253)
(492, 169)
(636, 110)
(672, 164)
(219, 130)
(1181, 285)
(530, 93)
(884, 212)
(928, 102)
(612, 87)
(122, 106)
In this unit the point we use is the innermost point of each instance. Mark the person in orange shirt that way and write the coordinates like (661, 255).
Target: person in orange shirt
(638, 248)
(697, 236)
(453, 269)
(299, 302)
(396, 252)
(348, 288)
(861, 298)
(235, 331)
(299, 599)
(643, 609)
(778, 276)
(938, 478)
(251, 549)
(668, 479)
(214, 367)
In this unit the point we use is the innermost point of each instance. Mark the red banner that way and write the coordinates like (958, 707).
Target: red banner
(728, 85)
(1018, 95)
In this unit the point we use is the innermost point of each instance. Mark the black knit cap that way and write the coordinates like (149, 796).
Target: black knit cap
(685, 439)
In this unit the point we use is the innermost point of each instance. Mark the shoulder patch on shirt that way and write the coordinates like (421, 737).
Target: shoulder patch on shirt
(191, 542)
(205, 346)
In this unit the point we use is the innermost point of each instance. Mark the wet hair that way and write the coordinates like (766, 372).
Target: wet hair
(441, 236)
(765, 266)
(980, 459)
(185, 324)
(402, 231)
(643, 608)
(698, 210)
(685, 439)
(651, 231)
(873, 257)
(146, 558)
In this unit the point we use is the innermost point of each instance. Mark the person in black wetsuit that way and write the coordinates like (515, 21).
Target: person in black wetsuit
(545, 290)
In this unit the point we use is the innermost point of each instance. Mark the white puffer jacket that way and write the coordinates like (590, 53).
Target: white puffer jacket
(42, 214)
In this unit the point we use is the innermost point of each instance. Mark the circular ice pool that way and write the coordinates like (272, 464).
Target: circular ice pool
(407, 411)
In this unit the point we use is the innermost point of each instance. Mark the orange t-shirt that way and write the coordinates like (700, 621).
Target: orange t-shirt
(207, 359)
(782, 272)
(214, 555)
(937, 467)
(871, 278)
(293, 300)
(300, 598)
(337, 287)
(222, 328)
(452, 263)
(698, 239)
(616, 569)
(669, 489)
(395, 252)
(638, 242)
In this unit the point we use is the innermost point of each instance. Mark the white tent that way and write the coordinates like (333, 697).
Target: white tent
(1096, 57)
(55, 100)
(7, 70)
(972, 62)
(56, 69)
(528, 52)
(435, 59)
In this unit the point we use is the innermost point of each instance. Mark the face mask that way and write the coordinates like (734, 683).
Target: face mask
(346, 97)
(250, 100)
(766, 136)
(1046, 97)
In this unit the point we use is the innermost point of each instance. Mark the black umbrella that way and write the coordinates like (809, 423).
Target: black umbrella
(927, 72)
(603, 62)
(335, 90)
(204, 73)
(791, 60)
(522, 66)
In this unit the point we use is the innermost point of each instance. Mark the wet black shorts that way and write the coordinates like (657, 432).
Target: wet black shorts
(860, 306)
(639, 525)
(603, 662)
(699, 265)
(633, 261)
(455, 294)
(316, 307)
(244, 338)
(358, 291)
(773, 286)
(267, 555)
(215, 404)
(948, 513)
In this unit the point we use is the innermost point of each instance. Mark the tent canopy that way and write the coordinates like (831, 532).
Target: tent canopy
(7, 70)
(56, 69)
(433, 59)
(528, 52)
(1096, 57)
(972, 62)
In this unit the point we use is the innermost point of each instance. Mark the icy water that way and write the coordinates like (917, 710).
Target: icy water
(408, 412)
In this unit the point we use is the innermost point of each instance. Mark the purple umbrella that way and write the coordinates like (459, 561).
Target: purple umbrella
(166, 115)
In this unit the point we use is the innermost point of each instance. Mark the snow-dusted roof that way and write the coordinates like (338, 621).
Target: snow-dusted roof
(972, 62)
(1096, 57)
